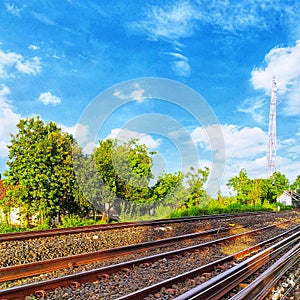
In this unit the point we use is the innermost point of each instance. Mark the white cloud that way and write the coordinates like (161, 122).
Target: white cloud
(255, 107)
(89, 147)
(182, 68)
(124, 135)
(10, 62)
(240, 143)
(246, 148)
(284, 64)
(136, 94)
(33, 47)
(181, 64)
(178, 56)
(79, 132)
(13, 9)
(291, 102)
(171, 22)
(8, 120)
(48, 98)
(43, 18)
(180, 19)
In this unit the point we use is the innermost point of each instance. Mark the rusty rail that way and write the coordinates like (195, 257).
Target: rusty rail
(36, 268)
(92, 275)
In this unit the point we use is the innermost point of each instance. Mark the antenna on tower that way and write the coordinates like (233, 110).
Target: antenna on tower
(271, 150)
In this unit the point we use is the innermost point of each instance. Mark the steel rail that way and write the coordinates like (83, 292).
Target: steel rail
(37, 268)
(92, 275)
(261, 286)
(73, 230)
(140, 294)
(223, 283)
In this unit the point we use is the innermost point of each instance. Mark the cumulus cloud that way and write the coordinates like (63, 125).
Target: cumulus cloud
(10, 62)
(136, 94)
(79, 132)
(124, 135)
(8, 119)
(240, 142)
(281, 62)
(284, 64)
(48, 98)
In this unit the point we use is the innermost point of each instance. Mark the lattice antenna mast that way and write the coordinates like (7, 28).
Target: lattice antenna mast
(271, 151)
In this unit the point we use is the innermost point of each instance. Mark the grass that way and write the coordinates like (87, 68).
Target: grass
(131, 214)
(214, 207)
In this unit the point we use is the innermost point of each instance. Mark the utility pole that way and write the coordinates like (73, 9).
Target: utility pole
(271, 150)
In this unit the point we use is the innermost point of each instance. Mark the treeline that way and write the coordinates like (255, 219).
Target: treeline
(259, 190)
(49, 177)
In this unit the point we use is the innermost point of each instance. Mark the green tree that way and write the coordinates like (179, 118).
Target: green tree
(40, 177)
(91, 185)
(196, 179)
(125, 168)
(295, 186)
(166, 185)
(274, 186)
(241, 184)
(256, 191)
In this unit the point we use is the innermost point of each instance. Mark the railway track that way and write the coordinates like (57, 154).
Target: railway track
(38, 248)
(120, 271)
(126, 269)
(30, 269)
(221, 285)
(4, 237)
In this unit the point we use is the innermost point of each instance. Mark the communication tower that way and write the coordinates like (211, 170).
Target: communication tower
(271, 151)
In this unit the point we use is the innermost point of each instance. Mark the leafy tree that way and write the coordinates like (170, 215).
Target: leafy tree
(195, 180)
(241, 184)
(274, 186)
(91, 185)
(255, 192)
(167, 185)
(295, 186)
(41, 177)
(125, 168)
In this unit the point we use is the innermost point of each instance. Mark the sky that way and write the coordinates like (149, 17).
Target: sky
(191, 79)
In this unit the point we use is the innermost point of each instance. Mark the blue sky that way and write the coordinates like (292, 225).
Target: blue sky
(57, 57)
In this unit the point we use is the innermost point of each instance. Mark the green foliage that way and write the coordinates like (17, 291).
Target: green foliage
(4, 227)
(75, 220)
(295, 186)
(214, 207)
(257, 191)
(125, 169)
(41, 177)
(196, 193)
(274, 187)
(169, 190)
(241, 185)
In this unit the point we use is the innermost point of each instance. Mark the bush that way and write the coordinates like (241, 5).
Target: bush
(214, 207)
(74, 220)
(6, 228)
